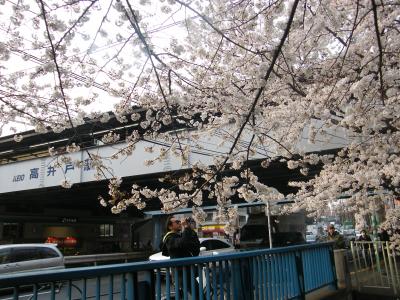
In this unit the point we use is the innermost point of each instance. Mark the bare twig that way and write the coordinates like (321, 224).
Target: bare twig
(54, 57)
(75, 24)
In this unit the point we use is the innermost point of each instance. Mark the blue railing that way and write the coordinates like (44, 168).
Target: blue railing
(281, 273)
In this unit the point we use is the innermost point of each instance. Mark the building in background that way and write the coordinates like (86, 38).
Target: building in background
(34, 207)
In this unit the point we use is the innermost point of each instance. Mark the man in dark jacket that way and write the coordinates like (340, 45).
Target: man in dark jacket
(178, 243)
(367, 248)
(383, 235)
(364, 237)
(336, 237)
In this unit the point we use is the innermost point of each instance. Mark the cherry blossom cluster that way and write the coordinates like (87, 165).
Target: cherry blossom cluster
(274, 81)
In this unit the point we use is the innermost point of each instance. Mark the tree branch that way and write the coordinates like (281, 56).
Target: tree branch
(54, 57)
(378, 38)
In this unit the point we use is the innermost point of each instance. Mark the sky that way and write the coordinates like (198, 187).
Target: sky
(108, 42)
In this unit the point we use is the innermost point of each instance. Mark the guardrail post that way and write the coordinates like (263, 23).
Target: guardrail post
(235, 278)
(130, 285)
(378, 260)
(392, 280)
(342, 269)
(247, 286)
(300, 274)
(333, 266)
(355, 264)
(16, 293)
(397, 277)
(98, 288)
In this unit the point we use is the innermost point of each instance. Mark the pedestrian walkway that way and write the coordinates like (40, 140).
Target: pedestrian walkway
(327, 293)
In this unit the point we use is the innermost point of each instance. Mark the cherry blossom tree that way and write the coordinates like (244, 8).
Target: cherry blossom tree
(265, 71)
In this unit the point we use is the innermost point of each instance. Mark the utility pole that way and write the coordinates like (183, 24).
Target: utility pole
(268, 213)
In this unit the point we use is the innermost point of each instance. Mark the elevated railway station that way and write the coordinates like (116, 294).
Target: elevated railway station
(34, 207)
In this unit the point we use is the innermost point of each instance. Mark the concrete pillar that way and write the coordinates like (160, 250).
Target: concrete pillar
(342, 269)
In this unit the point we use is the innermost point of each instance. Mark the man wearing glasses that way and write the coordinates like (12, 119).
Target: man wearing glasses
(178, 243)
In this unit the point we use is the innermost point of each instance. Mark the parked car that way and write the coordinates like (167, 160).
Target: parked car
(349, 234)
(256, 236)
(30, 257)
(311, 237)
(208, 246)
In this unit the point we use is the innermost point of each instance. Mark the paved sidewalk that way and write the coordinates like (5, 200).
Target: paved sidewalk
(328, 293)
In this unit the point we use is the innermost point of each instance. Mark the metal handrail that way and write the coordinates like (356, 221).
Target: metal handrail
(151, 265)
(376, 263)
(287, 272)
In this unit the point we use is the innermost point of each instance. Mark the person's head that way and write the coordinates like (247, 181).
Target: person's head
(173, 224)
(363, 232)
(191, 222)
(331, 228)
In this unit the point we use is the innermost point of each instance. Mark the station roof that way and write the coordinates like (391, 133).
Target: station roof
(87, 135)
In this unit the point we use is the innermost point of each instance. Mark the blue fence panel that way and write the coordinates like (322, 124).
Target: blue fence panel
(281, 273)
(318, 268)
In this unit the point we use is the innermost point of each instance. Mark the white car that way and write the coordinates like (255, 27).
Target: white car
(208, 246)
(310, 237)
(16, 258)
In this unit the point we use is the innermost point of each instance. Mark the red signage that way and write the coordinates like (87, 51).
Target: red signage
(70, 241)
(62, 242)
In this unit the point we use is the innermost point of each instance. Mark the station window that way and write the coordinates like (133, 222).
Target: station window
(209, 217)
(106, 230)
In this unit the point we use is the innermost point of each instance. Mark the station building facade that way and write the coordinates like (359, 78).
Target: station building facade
(35, 208)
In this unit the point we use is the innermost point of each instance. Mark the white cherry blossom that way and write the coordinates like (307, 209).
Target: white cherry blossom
(275, 81)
